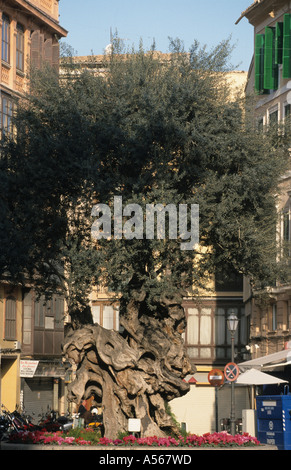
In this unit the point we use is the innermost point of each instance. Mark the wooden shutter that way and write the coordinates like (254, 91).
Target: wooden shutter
(59, 311)
(259, 63)
(10, 318)
(286, 47)
(55, 55)
(270, 68)
(27, 319)
(279, 43)
(35, 49)
(48, 51)
(41, 48)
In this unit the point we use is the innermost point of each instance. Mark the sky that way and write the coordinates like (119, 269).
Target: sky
(90, 22)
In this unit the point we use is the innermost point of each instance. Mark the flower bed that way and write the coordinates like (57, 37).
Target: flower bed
(89, 438)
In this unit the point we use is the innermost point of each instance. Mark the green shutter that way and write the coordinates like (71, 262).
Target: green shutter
(259, 63)
(279, 43)
(270, 68)
(287, 47)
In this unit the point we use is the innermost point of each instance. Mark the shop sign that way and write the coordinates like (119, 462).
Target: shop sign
(28, 368)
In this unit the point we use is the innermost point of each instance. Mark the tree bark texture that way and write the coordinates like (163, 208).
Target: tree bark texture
(134, 373)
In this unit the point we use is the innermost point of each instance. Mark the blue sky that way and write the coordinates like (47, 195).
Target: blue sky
(89, 24)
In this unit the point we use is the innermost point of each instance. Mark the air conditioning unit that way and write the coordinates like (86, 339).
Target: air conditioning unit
(17, 345)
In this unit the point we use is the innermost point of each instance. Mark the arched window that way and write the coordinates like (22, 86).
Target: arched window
(10, 318)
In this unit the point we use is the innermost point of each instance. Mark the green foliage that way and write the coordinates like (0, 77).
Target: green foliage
(152, 129)
(85, 434)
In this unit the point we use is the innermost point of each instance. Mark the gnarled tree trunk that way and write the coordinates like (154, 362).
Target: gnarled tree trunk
(133, 374)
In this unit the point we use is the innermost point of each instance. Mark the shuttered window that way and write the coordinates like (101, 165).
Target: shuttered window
(259, 63)
(270, 68)
(55, 55)
(5, 38)
(39, 313)
(279, 43)
(44, 50)
(271, 50)
(35, 49)
(49, 314)
(286, 47)
(10, 318)
(59, 312)
(47, 55)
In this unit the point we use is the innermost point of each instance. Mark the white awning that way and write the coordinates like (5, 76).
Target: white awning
(279, 359)
(256, 377)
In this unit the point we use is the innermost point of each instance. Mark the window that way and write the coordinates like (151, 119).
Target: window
(5, 38)
(6, 114)
(10, 318)
(207, 336)
(274, 317)
(106, 315)
(59, 311)
(39, 307)
(199, 332)
(270, 67)
(273, 117)
(286, 227)
(259, 63)
(49, 314)
(286, 53)
(286, 233)
(287, 111)
(20, 47)
(260, 124)
(27, 318)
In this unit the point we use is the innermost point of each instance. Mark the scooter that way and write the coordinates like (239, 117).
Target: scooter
(65, 422)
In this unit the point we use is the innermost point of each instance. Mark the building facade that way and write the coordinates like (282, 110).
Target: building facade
(30, 332)
(269, 80)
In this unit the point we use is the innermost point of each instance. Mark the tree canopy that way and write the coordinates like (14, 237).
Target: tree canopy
(153, 129)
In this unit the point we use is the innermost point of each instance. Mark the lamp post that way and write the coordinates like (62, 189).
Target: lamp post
(232, 324)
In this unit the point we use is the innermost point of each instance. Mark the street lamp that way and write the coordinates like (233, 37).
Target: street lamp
(232, 324)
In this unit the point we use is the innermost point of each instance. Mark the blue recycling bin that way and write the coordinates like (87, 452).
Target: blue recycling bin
(274, 420)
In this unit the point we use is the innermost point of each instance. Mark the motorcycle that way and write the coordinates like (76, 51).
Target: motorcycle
(65, 422)
(9, 422)
(4, 426)
(25, 420)
(53, 423)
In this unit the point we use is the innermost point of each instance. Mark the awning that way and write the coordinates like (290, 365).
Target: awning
(256, 377)
(190, 379)
(279, 359)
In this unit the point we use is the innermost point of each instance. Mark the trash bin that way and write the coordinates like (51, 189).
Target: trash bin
(274, 420)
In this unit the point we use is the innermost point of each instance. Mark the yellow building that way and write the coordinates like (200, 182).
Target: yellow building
(30, 33)
(11, 336)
